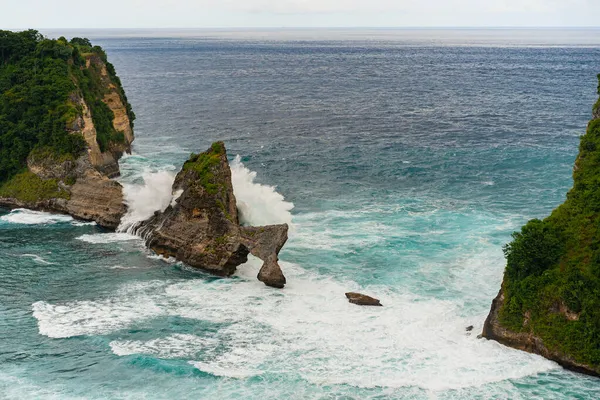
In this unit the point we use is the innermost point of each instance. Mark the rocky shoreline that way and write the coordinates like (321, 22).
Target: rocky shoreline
(526, 341)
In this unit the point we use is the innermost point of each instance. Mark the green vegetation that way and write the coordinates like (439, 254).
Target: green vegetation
(552, 277)
(204, 163)
(41, 81)
(28, 187)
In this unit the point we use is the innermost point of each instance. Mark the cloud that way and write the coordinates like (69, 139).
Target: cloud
(388, 6)
(290, 13)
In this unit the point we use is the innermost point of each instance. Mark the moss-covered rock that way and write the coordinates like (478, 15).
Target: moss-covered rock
(29, 187)
(201, 227)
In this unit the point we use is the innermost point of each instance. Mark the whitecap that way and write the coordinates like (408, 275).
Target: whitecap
(104, 238)
(37, 259)
(129, 305)
(174, 346)
(226, 370)
(30, 217)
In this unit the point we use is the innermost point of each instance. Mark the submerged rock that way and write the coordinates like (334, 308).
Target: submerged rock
(201, 228)
(362, 299)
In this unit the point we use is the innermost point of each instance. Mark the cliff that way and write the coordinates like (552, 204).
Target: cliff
(201, 226)
(549, 302)
(64, 123)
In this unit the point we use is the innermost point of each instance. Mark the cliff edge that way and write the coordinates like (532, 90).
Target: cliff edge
(549, 302)
(64, 123)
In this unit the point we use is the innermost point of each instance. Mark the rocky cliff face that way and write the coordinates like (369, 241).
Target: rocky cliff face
(528, 341)
(549, 302)
(86, 190)
(201, 226)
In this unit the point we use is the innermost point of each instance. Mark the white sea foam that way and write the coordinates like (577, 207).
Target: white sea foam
(37, 259)
(29, 217)
(258, 204)
(174, 346)
(312, 329)
(225, 369)
(144, 199)
(130, 304)
(176, 196)
(170, 260)
(122, 267)
(103, 238)
(82, 223)
(309, 328)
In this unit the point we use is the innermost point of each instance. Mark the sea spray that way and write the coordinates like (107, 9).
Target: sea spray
(257, 204)
(154, 194)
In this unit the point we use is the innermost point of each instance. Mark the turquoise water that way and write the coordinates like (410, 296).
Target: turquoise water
(408, 160)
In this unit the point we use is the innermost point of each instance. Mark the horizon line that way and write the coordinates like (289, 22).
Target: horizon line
(500, 27)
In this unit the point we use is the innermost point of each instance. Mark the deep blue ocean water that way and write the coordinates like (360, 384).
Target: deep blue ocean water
(409, 157)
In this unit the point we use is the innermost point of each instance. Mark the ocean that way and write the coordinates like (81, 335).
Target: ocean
(403, 161)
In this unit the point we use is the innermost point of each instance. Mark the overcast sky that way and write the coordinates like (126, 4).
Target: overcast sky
(295, 13)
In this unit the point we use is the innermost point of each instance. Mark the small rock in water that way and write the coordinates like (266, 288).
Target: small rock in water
(469, 328)
(362, 300)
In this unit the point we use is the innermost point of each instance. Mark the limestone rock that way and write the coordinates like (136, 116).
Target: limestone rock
(493, 330)
(95, 197)
(362, 299)
(92, 196)
(270, 273)
(202, 227)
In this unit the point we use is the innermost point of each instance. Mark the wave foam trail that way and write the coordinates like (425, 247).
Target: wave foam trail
(104, 238)
(29, 217)
(37, 259)
(93, 317)
(144, 199)
(309, 328)
(258, 204)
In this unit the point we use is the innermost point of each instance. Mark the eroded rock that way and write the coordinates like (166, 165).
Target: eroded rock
(201, 228)
(362, 299)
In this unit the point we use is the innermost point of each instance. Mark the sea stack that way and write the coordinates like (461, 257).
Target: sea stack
(201, 226)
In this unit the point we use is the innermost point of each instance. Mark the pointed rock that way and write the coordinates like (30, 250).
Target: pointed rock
(201, 228)
(270, 273)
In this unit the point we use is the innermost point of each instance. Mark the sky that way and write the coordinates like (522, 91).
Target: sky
(38, 14)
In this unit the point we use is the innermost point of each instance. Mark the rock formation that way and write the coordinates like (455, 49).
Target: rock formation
(362, 299)
(549, 301)
(201, 226)
(79, 184)
(68, 166)
(527, 341)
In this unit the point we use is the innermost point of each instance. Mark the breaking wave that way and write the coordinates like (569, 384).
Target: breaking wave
(257, 204)
(154, 194)
(29, 217)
